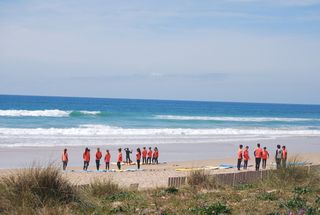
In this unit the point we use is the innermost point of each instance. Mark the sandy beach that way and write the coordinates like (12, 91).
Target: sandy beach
(172, 158)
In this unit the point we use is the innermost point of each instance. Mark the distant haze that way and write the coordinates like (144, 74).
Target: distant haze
(223, 50)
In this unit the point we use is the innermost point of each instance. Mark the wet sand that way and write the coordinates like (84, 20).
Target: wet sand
(21, 157)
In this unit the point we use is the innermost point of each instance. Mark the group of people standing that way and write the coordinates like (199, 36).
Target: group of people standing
(148, 157)
(261, 154)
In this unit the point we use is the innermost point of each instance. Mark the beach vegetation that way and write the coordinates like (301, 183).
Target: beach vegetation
(202, 180)
(217, 208)
(268, 196)
(102, 188)
(171, 190)
(46, 191)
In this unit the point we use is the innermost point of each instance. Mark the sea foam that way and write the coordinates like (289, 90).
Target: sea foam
(45, 113)
(104, 130)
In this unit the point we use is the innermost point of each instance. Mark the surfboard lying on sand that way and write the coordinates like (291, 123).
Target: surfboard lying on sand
(197, 168)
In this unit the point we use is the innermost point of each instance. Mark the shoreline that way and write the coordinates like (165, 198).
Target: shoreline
(22, 157)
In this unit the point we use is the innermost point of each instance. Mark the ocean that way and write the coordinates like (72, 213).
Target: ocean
(31, 121)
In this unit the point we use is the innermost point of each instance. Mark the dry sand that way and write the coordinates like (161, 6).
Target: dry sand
(154, 176)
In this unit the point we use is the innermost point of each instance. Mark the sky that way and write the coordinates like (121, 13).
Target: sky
(216, 50)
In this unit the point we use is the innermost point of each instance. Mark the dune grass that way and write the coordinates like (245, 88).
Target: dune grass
(36, 188)
(45, 191)
(201, 180)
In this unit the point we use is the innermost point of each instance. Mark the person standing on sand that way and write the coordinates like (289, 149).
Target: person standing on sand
(98, 158)
(257, 155)
(278, 156)
(284, 157)
(107, 159)
(128, 152)
(138, 157)
(65, 159)
(86, 159)
(149, 156)
(155, 155)
(119, 161)
(246, 157)
(144, 155)
(265, 156)
(240, 157)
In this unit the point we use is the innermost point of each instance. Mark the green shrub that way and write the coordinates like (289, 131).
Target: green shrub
(301, 190)
(267, 196)
(295, 203)
(171, 190)
(212, 209)
(121, 196)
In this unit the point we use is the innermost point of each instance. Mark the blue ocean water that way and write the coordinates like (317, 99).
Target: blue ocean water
(49, 121)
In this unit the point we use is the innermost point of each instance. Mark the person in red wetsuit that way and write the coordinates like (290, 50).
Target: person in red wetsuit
(98, 158)
(257, 155)
(86, 159)
(119, 161)
(246, 157)
(240, 156)
(107, 158)
(265, 156)
(138, 157)
(149, 155)
(144, 155)
(284, 157)
(155, 156)
(65, 159)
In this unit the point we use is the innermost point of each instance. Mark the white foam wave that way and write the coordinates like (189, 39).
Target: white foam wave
(43, 113)
(103, 130)
(234, 119)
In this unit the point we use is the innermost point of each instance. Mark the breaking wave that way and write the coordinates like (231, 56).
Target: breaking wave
(48, 113)
(104, 130)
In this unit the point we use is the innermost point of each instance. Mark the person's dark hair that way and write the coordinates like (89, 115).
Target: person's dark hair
(119, 149)
(283, 147)
(150, 148)
(258, 144)
(144, 147)
(241, 146)
(264, 147)
(247, 147)
(278, 146)
(138, 150)
(65, 150)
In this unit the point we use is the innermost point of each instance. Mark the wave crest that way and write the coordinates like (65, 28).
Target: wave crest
(48, 113)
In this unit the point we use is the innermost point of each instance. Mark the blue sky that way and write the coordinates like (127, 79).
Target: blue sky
(222, 50)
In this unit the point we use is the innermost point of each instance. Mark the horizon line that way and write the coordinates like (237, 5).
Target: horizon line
(178, 100)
